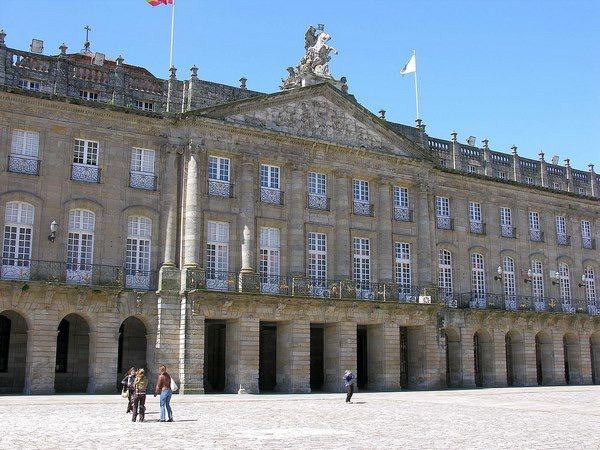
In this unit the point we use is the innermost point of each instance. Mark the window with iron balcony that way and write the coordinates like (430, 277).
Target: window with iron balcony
(402, 211)
(443, 221)
(506, 224)
(219, 184)
(142, 175)
(476, 225)
(535, 234)
(85, 161)
(360, 195)
(561, 231)
(24, 151)
(317, 192)
(270, 185)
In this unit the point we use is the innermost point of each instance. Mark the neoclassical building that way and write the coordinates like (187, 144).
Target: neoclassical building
(271, 241)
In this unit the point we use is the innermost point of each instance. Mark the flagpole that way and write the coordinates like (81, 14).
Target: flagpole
(172, 28)
(416, 85)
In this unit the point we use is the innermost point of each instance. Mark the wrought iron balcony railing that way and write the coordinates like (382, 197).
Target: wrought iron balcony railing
(363, 209)
(270, 195)
(588, 243)
(563, 239)
(536, 236)
(218, 188)
(444, 223)
(23, 164)
(508, 231)
(85, 173)
(314, 201)
(142, 180)
(403, 214)
(13, 269)
(291, 286)
(476, 227)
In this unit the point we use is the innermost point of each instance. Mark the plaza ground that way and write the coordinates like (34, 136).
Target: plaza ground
(541, 417)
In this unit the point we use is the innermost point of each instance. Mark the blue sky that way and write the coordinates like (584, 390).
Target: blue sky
(517, 72)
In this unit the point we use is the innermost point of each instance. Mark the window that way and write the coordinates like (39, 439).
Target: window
(564, 281)
(537, 280)
(142, 169)
(529, 180)
(402, 267)
(443, 163)
(88, 95)
(269, 176)
(362, 267)
(401, 197)
(582, 191)
(586, 235)
(80, 246)
(85, 161)
(477, 279)
(445, 275)
(472, 169)
(556, 185)
(269, 263)
(506, 226)
(442, 207)
(475, 219)
(29, 84)
(561, 230)
(16, 248)
(24, 152)
(509, 282)
(137, 258)
(360, 191)
(218, 168)
(535, 233)
(589, 280)
(144, 106)
(217, 255)
(501, 175)
(317, 256)
(317, 184)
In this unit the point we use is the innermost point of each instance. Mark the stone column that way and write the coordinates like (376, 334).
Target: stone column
(293, 357)
(569, 173)
(559, 359)
(40, 362)
(103, 357)
(296, 208)
(543, 170)
(516, 165)
(426, 252)
(456, 156)
(384, 356)
(191, 220)
(168, 275)
(339, 353)
(242, 355)
(385, 242)
(247, 223)
(593, 182)
(191, 350)
(342, 207)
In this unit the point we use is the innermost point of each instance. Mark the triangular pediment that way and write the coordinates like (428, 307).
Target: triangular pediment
(319, 112)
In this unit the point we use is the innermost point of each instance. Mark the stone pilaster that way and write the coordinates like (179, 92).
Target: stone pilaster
(384, 357)
(585, 358)
(41, 354)
(296, 237)
(192, 218)
(429, 340)
(191, 350)
(339, 353)
(559, 359)
(384, 239)
(468, 358)
(247, 223)
(242, 355)
(426, 252)
(167, 343)
(498, 377)
(293, 357)
(104, 351)
(342, 206)
(169, 274)
(530, 359)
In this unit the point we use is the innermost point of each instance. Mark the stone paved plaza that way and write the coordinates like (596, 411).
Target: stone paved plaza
(546, 417)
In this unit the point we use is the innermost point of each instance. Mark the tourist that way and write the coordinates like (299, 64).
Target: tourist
(139, 397)
(349, 382)
(127, 383)
(163, 387)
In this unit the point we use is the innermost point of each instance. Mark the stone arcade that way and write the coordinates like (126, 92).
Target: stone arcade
(270, 241)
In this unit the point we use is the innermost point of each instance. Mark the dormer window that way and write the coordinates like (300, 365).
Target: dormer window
(144, 106)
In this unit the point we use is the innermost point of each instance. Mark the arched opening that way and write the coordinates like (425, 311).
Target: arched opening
(483, 359)
(595, 357)
(572, 360)
(72, 354)
(515, 359)
(132, 347)
(544, 359)
(13, 350)
(453, 358)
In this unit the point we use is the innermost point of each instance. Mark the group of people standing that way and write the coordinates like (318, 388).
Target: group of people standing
(135, 385)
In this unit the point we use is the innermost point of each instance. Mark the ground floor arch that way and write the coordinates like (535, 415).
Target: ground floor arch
(132, 346)
(453, 358)
(572, 359)
(13, 351)
(544, 359)
(483, 358)
(516, 369)
(72, 354)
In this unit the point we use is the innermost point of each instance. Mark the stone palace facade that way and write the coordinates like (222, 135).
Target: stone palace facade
(271, 241)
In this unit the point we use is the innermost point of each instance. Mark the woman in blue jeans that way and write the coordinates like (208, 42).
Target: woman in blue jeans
(163, 387)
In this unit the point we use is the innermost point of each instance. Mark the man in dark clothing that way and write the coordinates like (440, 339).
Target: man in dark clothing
(349, 382)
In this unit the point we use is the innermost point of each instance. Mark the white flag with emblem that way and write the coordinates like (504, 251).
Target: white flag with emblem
(410, 67)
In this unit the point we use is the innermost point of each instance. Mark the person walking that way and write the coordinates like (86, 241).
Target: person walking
(349, 382)
(163, 387)
(127, 383)
(139, 397)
